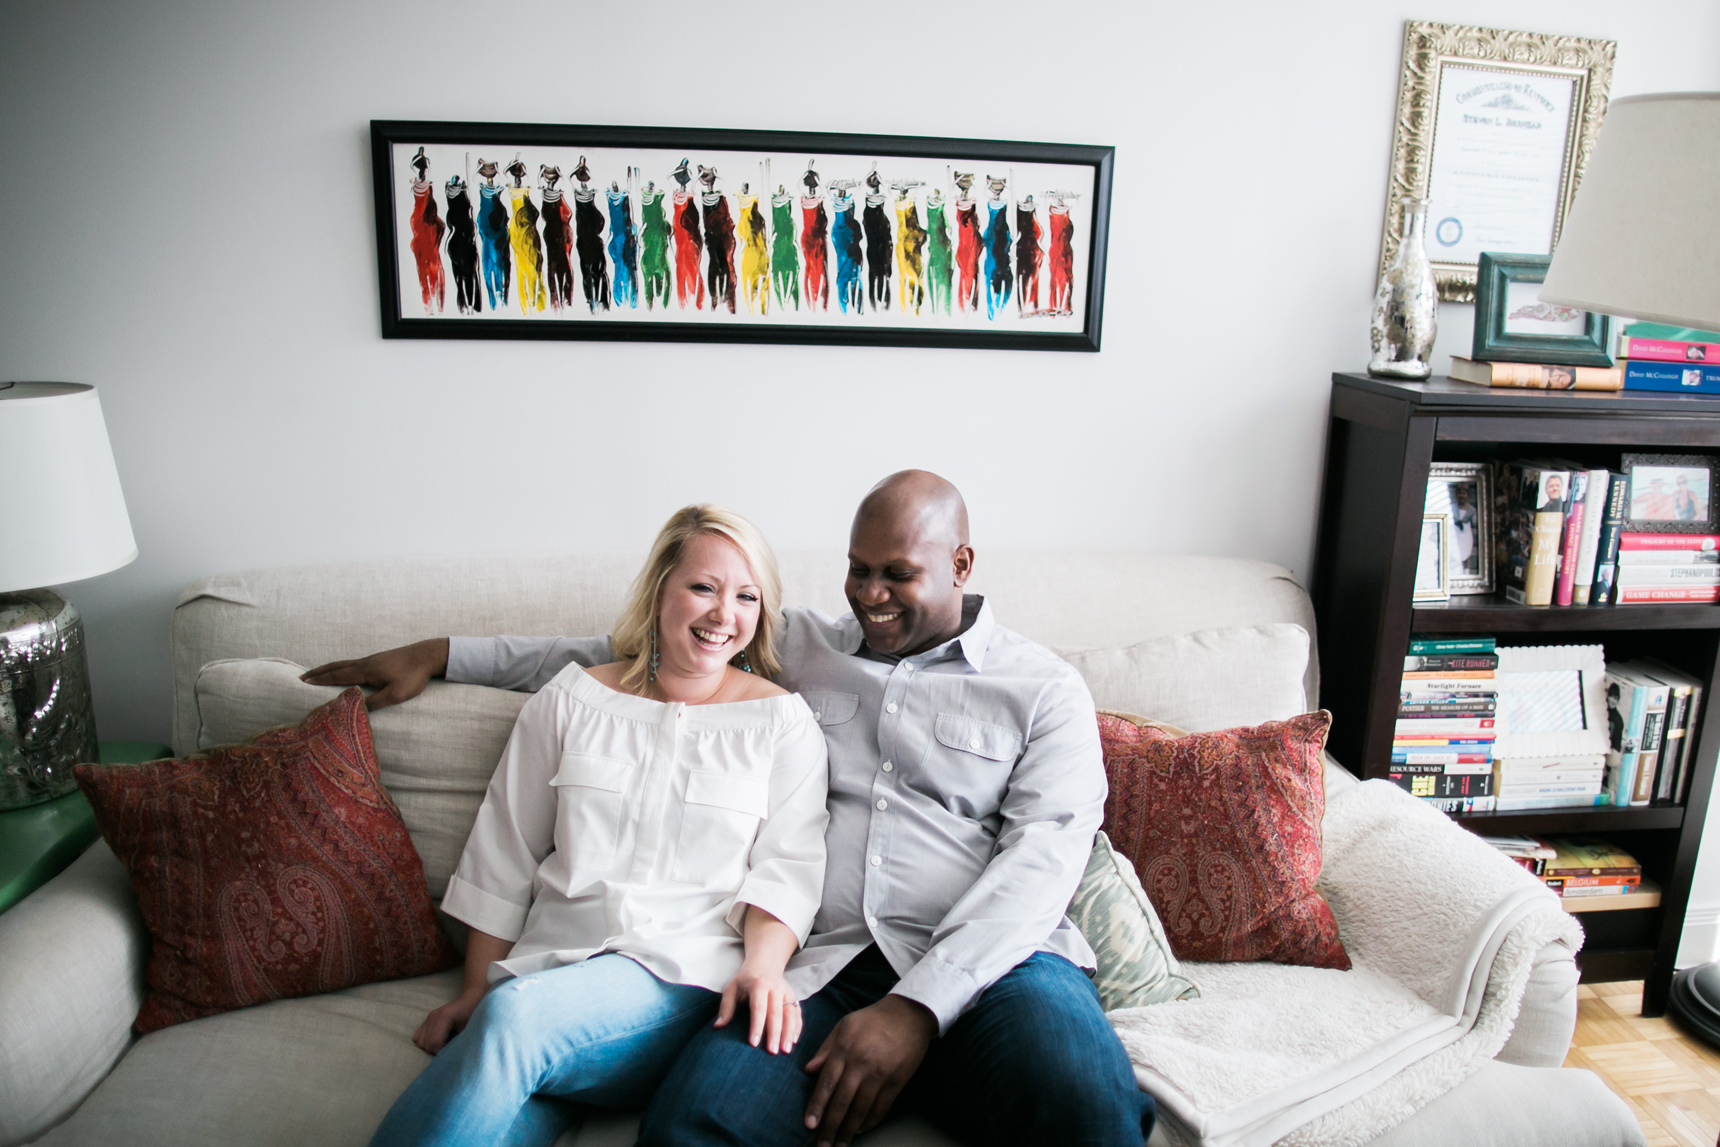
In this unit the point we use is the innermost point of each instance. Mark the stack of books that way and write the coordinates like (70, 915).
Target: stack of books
(1531, 852)
(1668, 568)
(1442, 744)
(1652, 712)
(1560, 530)
(1678, 360)
(1587, 866)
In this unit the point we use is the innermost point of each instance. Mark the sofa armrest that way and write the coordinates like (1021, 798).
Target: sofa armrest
(1541, 1037)
(71, 980)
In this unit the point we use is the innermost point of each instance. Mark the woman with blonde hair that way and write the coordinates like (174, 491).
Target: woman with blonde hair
(649, 854)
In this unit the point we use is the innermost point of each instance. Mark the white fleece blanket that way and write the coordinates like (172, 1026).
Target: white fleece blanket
(1441, 930)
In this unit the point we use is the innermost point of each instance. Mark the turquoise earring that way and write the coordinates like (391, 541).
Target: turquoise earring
(652, 676)
(746, 666)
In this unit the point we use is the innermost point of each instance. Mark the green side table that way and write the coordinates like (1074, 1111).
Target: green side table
(37, 843)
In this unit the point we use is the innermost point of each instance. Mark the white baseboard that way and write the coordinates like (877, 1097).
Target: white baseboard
(1701, 940)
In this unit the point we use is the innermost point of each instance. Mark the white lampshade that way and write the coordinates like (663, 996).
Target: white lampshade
(62, 515)
(1643, 237)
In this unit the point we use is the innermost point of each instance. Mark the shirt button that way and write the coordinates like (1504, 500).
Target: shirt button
(877, 860)
(974, 744)
(888, 766)
(818, 716)
(871, 921)
(883, 804)
(890, 708)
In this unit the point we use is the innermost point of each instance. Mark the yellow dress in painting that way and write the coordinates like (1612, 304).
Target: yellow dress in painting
(528, 251)
(910, 254)
(755, 256)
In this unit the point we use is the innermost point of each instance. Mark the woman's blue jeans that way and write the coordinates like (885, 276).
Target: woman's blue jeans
(601, 1032)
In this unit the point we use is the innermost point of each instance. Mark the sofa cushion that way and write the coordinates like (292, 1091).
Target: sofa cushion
(1205, 680)
(1224, 830)
(1136, 965)
(275, 868)
(436, 751)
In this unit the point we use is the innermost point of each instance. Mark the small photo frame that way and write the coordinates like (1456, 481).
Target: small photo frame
(1512, 324)
(1671, 493)
(1462, 491)
(1432, 581)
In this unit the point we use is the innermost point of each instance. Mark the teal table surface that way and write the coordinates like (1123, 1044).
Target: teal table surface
(37, 843)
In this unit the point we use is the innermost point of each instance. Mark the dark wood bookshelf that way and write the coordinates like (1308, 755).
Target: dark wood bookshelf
(1382, 439)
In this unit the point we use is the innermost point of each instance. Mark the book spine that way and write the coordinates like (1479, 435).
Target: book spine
(1443, 742)
(1443, 784)
(1606, 549)
(1594, 512)
(1601, 881)
(1567, 870)
(1571, 788)
(1478, 707)
(1544, 557)
(1428, 726)
(1503, 777)
(1633, 540)
(1676, 378)
(1666, 350)
(1428, 646)
(1443, 762)
(1648, 749)
(1677, 712)
(1538, 376)
(1461, 804)
(1650, 594)
(1681, 783)
(1625, 726)
(1607, 890)
(1511, 804)
(1696, 575)
(1443, 662)
(1571, 547)
(1471, 675)
(1659, 559)
(1514, 505)
(1483, 767)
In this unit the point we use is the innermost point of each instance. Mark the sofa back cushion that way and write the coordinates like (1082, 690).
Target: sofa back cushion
(1206, 680)
(1071, 601)
(436, 751)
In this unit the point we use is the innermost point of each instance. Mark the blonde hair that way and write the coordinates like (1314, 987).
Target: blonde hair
(633, 629)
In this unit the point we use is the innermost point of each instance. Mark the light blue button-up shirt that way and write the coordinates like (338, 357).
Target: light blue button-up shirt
(966, 784)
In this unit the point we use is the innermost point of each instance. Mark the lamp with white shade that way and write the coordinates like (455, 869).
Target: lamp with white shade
(1643, 237)
(62, 519)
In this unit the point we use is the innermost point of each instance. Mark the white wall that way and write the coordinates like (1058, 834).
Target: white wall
(188, 225)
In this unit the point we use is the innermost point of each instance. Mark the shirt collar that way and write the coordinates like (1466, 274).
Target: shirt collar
(971, 643)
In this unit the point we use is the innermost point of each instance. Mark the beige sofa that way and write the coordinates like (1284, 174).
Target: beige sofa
(323, 1070)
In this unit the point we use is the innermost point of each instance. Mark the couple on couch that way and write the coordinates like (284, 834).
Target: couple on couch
(874, 866)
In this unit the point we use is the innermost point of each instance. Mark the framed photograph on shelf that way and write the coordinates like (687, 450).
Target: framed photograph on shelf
(1493, 129)
(1431, 577)
(1462, 492)
(1671, 493)
(1512, 324)
(561, 231)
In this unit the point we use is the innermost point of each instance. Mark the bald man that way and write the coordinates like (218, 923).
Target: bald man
(966, 784)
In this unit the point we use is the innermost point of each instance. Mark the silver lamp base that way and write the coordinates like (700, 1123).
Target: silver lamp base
(46, 722)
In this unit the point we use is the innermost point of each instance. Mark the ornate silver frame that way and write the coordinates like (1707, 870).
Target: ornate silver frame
(1427, 47)
(1443, 475)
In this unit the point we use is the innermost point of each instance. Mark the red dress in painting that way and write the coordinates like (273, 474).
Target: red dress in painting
(814, 236)
(427, 232)
(1061, 257)
(969, 244)
(688, 245)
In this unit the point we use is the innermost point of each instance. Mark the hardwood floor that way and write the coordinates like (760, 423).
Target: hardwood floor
(1670, 1079)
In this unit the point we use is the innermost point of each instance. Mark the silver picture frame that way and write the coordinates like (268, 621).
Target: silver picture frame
(1463, 493)
(1432, 574)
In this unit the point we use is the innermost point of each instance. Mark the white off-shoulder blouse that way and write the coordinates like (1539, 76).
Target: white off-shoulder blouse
(619, 824)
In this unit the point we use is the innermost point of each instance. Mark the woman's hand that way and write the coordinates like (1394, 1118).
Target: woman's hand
(446, 1022)
(773, 1008)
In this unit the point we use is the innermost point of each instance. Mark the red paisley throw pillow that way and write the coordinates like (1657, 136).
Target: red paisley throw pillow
(275, 868)
(1224, 831)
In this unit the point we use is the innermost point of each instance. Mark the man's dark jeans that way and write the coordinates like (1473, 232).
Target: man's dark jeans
(1032, 1062)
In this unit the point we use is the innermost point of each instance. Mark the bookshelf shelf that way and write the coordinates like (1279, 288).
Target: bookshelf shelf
(1493, 614)
(1382, 438)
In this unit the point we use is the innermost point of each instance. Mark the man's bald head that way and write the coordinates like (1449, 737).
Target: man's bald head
(920, 500)
(908, 559)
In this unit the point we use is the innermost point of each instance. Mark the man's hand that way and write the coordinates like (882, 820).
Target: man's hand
(863, 1066)
(397, 674)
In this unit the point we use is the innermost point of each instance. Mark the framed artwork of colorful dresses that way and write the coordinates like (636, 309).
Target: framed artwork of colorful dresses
(542, 231)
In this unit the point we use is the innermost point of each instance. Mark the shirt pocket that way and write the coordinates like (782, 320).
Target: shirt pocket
(590, 797)
(968, 764)
(832, 708)
(720, 816)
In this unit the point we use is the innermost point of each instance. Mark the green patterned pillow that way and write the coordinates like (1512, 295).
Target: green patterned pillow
(1111, 908)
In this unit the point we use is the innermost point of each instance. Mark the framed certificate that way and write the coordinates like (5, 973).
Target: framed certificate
(1493, 129)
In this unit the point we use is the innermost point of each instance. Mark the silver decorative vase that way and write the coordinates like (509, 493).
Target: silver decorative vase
(1406, 307)
(46, 723)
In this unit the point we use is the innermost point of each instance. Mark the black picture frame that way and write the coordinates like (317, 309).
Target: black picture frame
(509, 137)
(1495, 273)
(1633, 467)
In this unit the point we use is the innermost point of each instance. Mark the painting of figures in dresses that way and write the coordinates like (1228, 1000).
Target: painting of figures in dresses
(574, 234)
